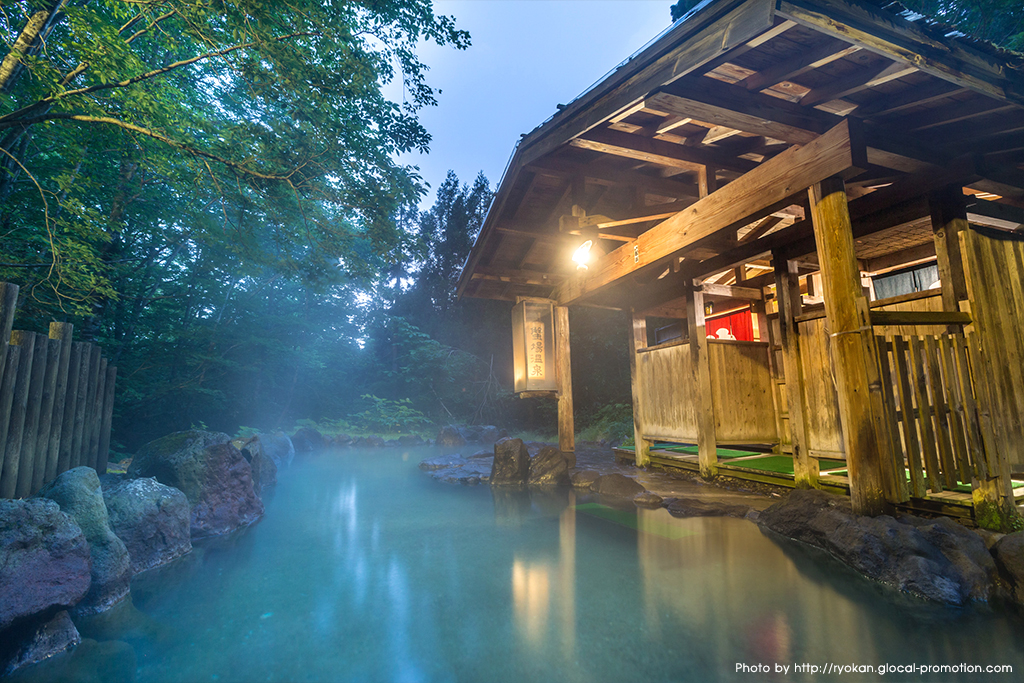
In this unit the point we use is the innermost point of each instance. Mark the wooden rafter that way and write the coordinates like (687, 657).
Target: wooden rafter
(827, 52)
(657, 151)
(854, 83)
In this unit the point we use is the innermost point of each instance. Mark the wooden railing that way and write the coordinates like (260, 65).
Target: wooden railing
(56, 403)
(934, 427)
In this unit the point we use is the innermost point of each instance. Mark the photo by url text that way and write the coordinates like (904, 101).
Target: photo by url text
(830, 668)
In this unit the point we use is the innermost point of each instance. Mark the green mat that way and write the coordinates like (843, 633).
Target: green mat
(961, 487)
(723, 453)
(625, 518)
(782, 464)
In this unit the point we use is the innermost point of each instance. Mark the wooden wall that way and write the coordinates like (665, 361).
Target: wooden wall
(740, 386)
(994, 270)
(821, 418)
(56, 403)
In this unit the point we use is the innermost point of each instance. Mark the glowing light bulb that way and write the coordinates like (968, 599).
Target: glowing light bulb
(582, 255)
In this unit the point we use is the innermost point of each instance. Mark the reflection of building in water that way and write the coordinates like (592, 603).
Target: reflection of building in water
(544, 595)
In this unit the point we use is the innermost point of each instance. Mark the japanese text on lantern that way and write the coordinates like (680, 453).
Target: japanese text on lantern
(535, 349)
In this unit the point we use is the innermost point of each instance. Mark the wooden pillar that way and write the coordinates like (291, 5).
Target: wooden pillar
(108, 412)
(706, 181)
(787, 290)
(91, 408)
(44, 466)
(67, 440)
(949, 219)
(707, 451)
(637, 341)
(11, 364)
(10, 358)
(25, 342)
(855, 359)
(30, 434)
(563, 373)
(8, 304)
(60, 333)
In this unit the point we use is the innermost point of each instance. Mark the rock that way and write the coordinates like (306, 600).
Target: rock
(933, 559)
(648, 499)
(511, 466)
(1009, 558)
(617, 485)
(470, 473)
(691, 507)
(490, 434)
(410, 441)
(151, 519)
(212, 474)
(442, 461)
(368, 442)
(449, 437)
(482, 454)
(548, 468)
(264, 469)
(570, 458)
(77, 492)
(44, 560)
(307, 439)
(341, 440)
(44, 639)
(584, 479)
(279, 447)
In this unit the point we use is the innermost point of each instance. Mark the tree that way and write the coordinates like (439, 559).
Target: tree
(263, 125)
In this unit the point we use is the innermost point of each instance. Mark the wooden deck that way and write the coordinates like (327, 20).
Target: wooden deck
(957, 504)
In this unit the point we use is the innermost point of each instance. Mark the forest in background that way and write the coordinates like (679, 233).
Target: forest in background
(209, 191)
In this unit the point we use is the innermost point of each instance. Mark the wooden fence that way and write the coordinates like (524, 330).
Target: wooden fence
(56, 402)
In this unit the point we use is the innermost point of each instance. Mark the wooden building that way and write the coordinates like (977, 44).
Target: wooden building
(790, 160)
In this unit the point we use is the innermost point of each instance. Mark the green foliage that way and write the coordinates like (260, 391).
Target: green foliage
(389, 416)
(998, 21)
(609, 423)
(682, 7)
(246, 432)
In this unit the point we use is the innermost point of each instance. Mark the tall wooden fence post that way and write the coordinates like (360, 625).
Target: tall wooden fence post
(108, 413)
(707, 447)
(81, 406)
(61, 334)
(25, 341)
(30, 435)
(563, 364)
(66, 460)
(637, 341)
(10, 357)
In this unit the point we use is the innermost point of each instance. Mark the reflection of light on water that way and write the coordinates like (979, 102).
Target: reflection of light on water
(531, 589)
(538, 588)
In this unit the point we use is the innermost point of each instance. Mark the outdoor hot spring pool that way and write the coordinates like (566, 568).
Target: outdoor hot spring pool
(366, 569)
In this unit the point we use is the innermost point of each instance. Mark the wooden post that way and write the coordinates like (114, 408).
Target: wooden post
(11, 365)
(8, 303)
(16, 430)
(97, 417)
(81, 405)
(66, 459)
(30, 435)
(949, 219)
(91, 408)
(45, 464)
(637, 341)
(63, 410)
(108, 412)
(858, 384)
(707, 451)
(707, 183)
(563, 365)
(787, 291)
(60, 333)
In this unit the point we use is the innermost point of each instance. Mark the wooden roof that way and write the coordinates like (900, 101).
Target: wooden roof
(728, 88)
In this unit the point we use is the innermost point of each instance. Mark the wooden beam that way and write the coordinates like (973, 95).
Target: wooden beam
(771, 182)
(763, 226)
(516, 276)
(563, 374)
(858, 381)
(1011, 217)
(900, 259)
(890, 35)
(828, 51)
(787, 292)
(914, 96)
(854, 83)
(665, 187)
(660, 152)
(730, 291)
(880, 318)
(638, 342)
(707, 451)
(949, 219)
(721, 104)
(713, 30)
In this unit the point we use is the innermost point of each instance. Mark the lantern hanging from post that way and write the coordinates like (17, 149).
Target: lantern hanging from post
(533, 346)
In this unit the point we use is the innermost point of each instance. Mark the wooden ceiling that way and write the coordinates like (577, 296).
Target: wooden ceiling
(730, 87)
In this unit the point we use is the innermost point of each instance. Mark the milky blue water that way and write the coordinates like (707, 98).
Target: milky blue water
(366, 569)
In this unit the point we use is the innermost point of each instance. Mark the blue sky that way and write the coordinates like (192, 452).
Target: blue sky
(527, 56)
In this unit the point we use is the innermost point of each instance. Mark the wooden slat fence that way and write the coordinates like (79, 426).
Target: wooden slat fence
(56, 403)
(933, 421)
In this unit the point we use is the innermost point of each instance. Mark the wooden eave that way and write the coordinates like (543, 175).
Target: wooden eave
(759, 99)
